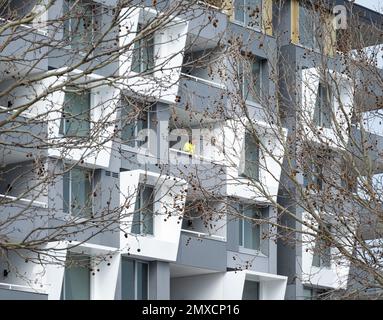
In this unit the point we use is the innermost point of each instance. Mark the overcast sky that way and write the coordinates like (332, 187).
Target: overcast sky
(372, 4)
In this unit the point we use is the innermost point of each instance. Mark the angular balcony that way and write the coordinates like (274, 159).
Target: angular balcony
(19, 292)
(202, 85)
(231, 285)
(195, 148)
(19, 54)
(23, 201)
(153, 209)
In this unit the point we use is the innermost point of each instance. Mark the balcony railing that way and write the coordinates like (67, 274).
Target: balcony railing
(28, 202)
(204, 235)
(204, 81)
(187, 155)
(10, 286)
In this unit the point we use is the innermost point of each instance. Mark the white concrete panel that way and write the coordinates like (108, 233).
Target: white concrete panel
(271, 159)
(341, 85)
(169, 202)
(168, 47)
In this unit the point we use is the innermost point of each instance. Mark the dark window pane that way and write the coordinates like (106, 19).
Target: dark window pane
(66, 191)
(128, 126)
(76, 114)
(253, 16)
(250, 290)
(77, 278)
(142, 281)
(144, 207)
(127, 279)
(251, 169)
(143, 53)
(239, 7)
(136, 223)
(81, 200)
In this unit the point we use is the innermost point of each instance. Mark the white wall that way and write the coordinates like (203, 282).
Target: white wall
(169, 43)
(341, 111)
(334, 276)
(169, 202)
(270, 168)
(227, 286)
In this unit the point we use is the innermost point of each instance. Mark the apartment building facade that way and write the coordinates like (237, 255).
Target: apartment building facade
(182, 230)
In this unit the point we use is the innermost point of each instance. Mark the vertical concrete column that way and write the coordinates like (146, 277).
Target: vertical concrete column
(159, 280)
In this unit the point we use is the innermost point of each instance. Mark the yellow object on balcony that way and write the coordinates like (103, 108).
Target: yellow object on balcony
(189, 148)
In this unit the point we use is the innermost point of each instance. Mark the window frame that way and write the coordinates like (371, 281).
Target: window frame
(150, 113)
(313, 38)
(314, 176)
(138, 210)
(324, 106)
(245, 173)
(135, 263)
(242, 221)
(91, 288)
(67, 25)
(322, 259)
(69, 210)
(245, 22)
(139, 65)
(246, 94)
(63, 122)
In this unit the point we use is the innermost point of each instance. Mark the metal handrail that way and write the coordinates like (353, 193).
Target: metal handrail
(204, 235)
(208, 82)
(28, 201)
(10, 286)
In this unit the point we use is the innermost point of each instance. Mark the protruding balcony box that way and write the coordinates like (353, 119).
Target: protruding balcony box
(22, 140)
(201, 94)
(228, 286)
(169, 201)
(19, 53)
(203, 241)
(202, 250)
(22, 216)
(207, 21)
(336, 134)
(270, 161)
(17, 292)
(35, 280)
(169, 42)
(368, 141)
(103, 109)
(332, 275)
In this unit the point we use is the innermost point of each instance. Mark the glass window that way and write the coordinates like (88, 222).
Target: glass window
(248, 12)
(309, 24)
(15, 9)
(251, 165)
(143, 53)
(80, 25)
(323, 109)
(142, 281)
(135, 280)
(313, 176)
(77, 192)
(132, 125)
(322, 253)
(144, 208)
(127, 280)
(249, 231)
(250, 290)
(76, 284)
(75, 120)
(252, 77)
